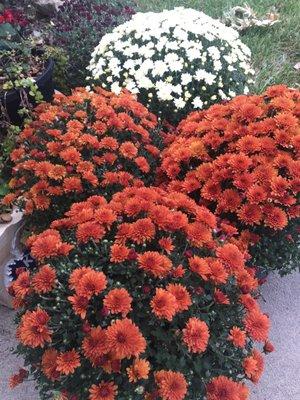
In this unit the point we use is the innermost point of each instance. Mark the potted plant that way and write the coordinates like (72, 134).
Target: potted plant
(25, 80)
(25, 76)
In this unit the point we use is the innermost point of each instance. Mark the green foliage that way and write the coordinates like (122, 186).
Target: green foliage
(61, 60)
(278, 251)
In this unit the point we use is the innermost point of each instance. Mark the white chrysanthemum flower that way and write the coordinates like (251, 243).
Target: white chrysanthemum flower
(115, 88)
(159, 68)
(179, 103)
(186, 79)
(197, 102)
(183, 57)
(145, 83)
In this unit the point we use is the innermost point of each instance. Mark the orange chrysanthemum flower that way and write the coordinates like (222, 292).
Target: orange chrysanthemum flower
(48, 244)
(239, 162)
(225, 388)
(230, 200)
(250, 214)
(138, 370)
(49, 364)
(95, 344)
(218, 273)
(237, 336)
(143, 164)
(33, 330)
(105, 216)
(128, 150)
(118, 253)
(231, 256)
(71, 155)
(171, 385)
(199, 233)
(182, 296)
(200, 266)
(103, 391)
(72, 184)
(21, 287)
(167, 244)
(164, 304)
(142, 230)
(125, 339)
(88, 231)
(178, 272)
(118, 301)
(249, 302)
(196, 335)
(254, 366)
(154, 263)
(248, 144)
(275, 218)
(257, 325)
(79, 305)
(44, 280)
(256, 194)
(92, 283)
(67, 362)
(76, 276)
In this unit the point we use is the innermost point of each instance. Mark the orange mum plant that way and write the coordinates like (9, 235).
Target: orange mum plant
(139, 298)
(241, 159)
(82, 144)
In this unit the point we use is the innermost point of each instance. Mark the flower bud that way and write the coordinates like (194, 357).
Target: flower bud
(268, 347)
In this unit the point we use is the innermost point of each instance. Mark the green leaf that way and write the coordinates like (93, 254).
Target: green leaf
(3, 189)
(9, 45)
(7, 29)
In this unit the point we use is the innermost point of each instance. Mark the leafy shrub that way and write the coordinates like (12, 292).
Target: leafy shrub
(61, 62)
(175, 61)
(142, 297)
(241, 159)
(79, 25)
(83, 144)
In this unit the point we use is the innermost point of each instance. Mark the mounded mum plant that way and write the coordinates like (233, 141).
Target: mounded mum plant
(138, 298)
(241, 159)
(82, 144)
(175, 61)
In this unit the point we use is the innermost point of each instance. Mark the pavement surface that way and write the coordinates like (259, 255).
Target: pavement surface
(279, 382)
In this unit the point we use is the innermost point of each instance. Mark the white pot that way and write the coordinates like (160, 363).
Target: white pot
(10, 249)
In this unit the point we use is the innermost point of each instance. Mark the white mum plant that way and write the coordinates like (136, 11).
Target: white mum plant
(175, 61)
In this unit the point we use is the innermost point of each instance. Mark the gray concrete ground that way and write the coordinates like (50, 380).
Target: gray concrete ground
(279, 382)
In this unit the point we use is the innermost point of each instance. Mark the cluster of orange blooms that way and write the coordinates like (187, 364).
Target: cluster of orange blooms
(83, 144)
(149, 292)
(133, 295)
(241, 158)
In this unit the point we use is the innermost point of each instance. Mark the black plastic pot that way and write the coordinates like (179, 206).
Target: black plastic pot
(11, 100)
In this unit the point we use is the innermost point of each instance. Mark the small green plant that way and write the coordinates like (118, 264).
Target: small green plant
(20, 61)
(61, 60)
